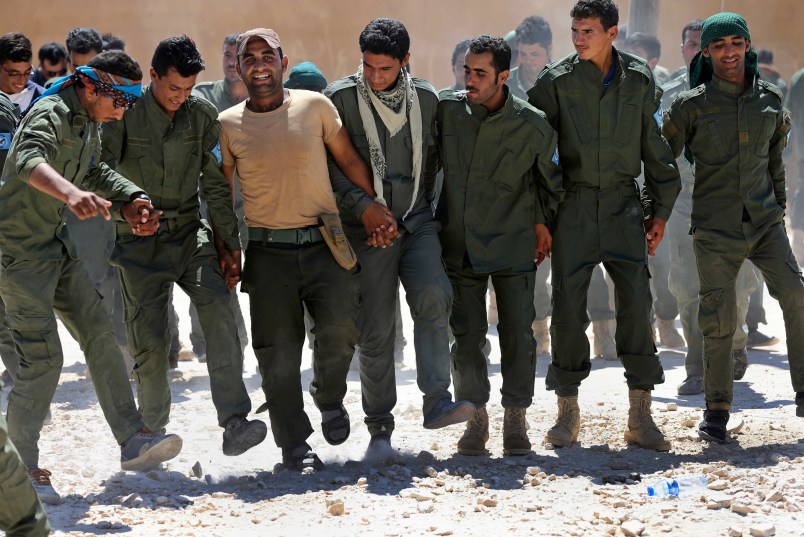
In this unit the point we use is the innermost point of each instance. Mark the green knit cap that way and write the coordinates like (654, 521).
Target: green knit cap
(715, 27)
(306, 75)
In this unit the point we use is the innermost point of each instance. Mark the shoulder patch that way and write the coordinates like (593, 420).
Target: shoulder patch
(5, 140)
(200, 103)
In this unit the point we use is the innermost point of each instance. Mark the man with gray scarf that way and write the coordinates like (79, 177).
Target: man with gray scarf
(390, 117)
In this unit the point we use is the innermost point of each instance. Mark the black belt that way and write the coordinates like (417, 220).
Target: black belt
(304, 235)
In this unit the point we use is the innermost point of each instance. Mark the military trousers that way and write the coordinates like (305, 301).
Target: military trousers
(8, 353)
(684, 284)
(720, 255)
(32, 290)
(415, 261)
(280, 279)
(601, 226)
(21, 514)
(148, 267)
(514, 289)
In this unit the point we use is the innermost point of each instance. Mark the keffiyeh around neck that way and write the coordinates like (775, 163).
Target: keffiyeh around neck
(394, 108)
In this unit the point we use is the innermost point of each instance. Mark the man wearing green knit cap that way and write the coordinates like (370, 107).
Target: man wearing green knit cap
(733, 127)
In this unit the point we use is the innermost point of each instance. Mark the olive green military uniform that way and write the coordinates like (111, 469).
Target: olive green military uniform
(500, 179)
(683, 282)
(414, 259)
(40, 272)
(737, 138)
(166, 159)
(605, 134)
(8, 122)
(221, 98)
(21, 513)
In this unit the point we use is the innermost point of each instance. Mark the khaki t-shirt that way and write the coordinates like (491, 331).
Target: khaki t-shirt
(281, 159)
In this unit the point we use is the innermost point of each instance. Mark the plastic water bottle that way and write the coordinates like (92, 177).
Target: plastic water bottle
(679, 485)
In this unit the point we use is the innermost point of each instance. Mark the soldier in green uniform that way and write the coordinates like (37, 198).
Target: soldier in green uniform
(164, 144)
(683, 280)
(733, 126)
(56, 152)
(604, 105)
(534, 41)
(390, 118)
(501, 191)
(22, 513)
(222, 94)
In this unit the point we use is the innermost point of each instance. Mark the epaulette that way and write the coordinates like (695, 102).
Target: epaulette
(772, 88)
(635, 63)
(564, 66)
(450, 95)
(691, 93)
(337, 85)
(195, 102)
(423, 84)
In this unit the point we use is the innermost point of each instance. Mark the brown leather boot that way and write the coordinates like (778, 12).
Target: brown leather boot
(642, 431)
(568, 423)
(515, 432)
(473, 441)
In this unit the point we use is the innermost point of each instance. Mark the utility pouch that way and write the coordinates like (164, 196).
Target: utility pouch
(332, 231)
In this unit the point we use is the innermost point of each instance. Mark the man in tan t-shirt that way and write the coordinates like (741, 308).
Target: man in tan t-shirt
(277, 141)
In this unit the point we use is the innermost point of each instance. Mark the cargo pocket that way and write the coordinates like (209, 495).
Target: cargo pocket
(36, 338)
(711, 318)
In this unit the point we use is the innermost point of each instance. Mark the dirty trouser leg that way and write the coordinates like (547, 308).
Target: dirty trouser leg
(517, 346)
(203, 282)
(772, 255)
(625, 260)
(469, 326)
(22, 514)
(429, 295)
(379, 284)
(719, 254)
(575, 256)
(32, 290)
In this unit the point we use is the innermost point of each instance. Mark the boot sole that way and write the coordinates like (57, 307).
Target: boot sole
(706, 436)
(254, 435)
(559, 443)
(462, 412)
(631, 441)
(516, 451)
(161, 452)
(471, 452)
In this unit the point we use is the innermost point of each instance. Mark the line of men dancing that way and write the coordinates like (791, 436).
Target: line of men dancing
(521, 181)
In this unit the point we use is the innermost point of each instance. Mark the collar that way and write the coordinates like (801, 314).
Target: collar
(732, 89)
(180, 122)
(69, 97)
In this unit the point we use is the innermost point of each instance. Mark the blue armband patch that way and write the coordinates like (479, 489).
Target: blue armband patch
(217, 152)
(659, 116)
(555, 156)
(5, 140)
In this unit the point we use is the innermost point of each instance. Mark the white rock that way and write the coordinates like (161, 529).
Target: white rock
(774, 496)
(741, 508)
(335, 507)
(735, 531)
(162, 500)
(762, 530)
(720, 484)
(425, 507)
(362, 482)
(416, 494)
(632, 528)
(533, 470)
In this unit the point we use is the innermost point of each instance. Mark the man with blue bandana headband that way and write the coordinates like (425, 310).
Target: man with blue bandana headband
(54, 163)
(733, 127)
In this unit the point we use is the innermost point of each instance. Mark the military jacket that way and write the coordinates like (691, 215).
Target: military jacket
(398, 184)
(166, 158)
(217, 93)
(8, 121)
(605, 134)
(56, 131)
(500, 178)
(736, 139)
(673, 89)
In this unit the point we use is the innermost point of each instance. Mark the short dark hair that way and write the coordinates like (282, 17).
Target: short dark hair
(230, 39)
(179, 52)
(649, 43)
(692, 26)
(385, 36)
(605, 10)
(84, 40)
(113, 42)
(15, 47)
(499, 49)
(534, 30)
(765, 56)
(460, 49)
(118, 63)
(52, 52)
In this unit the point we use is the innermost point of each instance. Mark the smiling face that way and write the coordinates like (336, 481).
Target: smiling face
(261, 69)
(728, 57)
(591, 40)
(382, 71)
(170, 91)
(14, 76)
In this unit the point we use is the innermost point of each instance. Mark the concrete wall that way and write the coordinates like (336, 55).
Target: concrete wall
(326, 32)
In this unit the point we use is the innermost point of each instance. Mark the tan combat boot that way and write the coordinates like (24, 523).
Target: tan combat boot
(515, 432)
(473, 441)
(541, 333)
(668, 335)
(568, 423)
(603, 332)
(642, 431)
